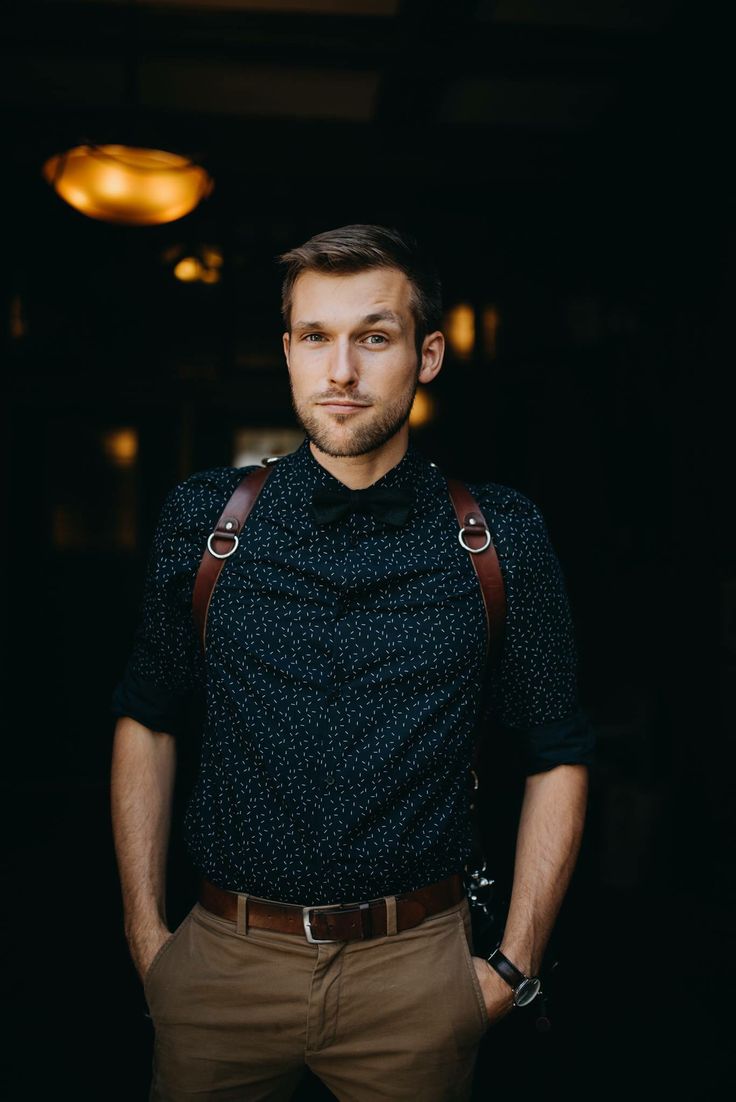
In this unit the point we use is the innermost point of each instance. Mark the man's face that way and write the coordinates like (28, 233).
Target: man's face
(352, 341)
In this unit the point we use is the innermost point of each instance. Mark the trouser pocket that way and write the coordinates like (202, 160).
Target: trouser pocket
(413, 994)
(160, 965)
(466, 939)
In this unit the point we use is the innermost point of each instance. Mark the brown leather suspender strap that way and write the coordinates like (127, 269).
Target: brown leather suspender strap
(485, 562)
(474, 535)
(221, 544)
(473, 526)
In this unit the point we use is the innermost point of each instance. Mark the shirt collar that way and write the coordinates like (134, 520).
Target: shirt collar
(299, 474)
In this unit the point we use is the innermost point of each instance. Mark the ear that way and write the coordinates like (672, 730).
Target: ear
(433, 351)
(286, 342)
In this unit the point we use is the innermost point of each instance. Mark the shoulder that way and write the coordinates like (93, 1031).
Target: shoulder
(201, 497)
(505, 505)
(517, 524)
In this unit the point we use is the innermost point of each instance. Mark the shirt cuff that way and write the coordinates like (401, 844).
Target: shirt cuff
(567, 741)
(155, 706)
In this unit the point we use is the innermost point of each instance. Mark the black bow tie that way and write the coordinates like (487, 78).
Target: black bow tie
(389, 503)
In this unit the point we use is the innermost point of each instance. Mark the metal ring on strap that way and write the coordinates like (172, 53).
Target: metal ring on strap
(222, 535)
(473, 550)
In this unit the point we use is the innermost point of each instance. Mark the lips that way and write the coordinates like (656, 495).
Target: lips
(344, 405)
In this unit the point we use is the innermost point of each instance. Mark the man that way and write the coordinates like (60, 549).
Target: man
(343, 669)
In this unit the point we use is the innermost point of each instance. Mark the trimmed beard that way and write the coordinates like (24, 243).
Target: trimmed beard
(364, 438)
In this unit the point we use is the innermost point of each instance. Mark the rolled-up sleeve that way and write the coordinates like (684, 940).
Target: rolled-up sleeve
(534, 691)
(164, 669)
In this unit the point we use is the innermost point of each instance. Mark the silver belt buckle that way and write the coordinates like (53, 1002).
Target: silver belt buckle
(308, 925)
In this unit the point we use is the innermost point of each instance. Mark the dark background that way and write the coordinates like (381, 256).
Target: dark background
(565, 162)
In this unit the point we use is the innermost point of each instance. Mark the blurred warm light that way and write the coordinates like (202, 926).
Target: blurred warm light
(120, 446)
(202, 265)
(211, 256)
(423, 408)
(460, 326)
(18, 326)
(188, 269)
(120, 183)
(491, 322)
(172, 253)
(210, 275)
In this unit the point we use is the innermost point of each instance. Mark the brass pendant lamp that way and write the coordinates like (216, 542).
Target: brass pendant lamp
(128, 184)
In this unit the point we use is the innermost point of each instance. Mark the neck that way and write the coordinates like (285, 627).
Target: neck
(360, 471)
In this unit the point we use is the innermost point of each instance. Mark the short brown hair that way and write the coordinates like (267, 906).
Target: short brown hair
(359, 248)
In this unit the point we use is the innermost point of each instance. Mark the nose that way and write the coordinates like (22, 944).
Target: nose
(343, 365)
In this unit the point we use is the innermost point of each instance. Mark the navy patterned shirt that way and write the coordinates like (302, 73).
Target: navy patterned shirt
(342, 678)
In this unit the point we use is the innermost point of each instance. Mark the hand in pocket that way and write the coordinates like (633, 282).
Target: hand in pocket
(146, 946)
(498, 996)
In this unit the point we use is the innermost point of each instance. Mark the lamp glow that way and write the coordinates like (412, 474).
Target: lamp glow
(491, 324)
(461, 330)
(423, 408)
(120, 446)
(125, 184)
(188, 269)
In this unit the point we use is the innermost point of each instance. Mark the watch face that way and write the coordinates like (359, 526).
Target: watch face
(527, 991)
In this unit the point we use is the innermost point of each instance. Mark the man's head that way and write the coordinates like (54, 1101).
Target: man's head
(362, 311)
(360, 248)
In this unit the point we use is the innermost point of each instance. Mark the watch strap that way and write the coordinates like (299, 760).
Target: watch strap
(506, 970)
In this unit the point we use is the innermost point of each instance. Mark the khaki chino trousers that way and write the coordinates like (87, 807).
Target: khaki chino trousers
(238, 1013)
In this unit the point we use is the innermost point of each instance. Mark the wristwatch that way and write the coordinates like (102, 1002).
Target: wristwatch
(525, 988)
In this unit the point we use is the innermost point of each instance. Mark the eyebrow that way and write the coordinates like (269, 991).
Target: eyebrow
(383, 315)
(369, 319)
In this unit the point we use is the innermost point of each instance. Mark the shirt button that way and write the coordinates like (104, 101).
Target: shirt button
(329, 780)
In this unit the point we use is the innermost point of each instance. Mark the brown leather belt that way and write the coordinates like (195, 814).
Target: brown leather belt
(337, 921)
